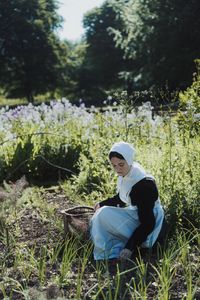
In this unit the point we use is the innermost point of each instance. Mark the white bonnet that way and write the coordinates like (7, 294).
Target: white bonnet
(126, 150)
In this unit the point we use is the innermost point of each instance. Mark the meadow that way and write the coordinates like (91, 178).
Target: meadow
(62, 150)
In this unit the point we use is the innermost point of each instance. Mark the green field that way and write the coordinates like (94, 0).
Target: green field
(63, 151)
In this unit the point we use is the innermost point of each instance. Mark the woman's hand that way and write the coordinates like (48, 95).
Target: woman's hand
(97, 206)
(125, 254)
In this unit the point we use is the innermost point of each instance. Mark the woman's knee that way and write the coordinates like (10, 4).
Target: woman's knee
(105, 211)
(104, 214)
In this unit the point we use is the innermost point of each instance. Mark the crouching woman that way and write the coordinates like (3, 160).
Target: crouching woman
(132, 218)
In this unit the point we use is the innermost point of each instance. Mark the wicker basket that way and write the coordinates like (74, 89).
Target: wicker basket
(76, 219)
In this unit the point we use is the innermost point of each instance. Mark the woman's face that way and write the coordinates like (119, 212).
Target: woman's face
(120, 166)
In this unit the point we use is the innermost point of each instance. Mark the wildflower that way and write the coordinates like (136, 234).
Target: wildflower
(197, 117)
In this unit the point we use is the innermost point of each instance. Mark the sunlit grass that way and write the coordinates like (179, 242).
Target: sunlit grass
(71, 137)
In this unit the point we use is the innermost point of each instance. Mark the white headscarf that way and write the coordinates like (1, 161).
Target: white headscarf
(126, 150)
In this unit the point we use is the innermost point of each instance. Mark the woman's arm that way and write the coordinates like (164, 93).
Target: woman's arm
(143, 195)
(114, 201)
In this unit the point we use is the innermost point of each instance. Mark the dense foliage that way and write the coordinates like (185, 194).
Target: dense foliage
(32, 58)
(128, 45)
(105, 60)
(161, 40)
(47, 144)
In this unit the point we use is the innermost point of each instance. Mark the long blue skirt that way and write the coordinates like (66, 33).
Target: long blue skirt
(111, 227)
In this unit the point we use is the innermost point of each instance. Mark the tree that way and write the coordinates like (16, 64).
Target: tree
(103, 60)
(161, 39)
(75, 70)
(32, 58)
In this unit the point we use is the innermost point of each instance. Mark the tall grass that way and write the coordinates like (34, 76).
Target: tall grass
(78, 140)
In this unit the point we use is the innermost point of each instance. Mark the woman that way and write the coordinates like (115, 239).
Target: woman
(133, 217)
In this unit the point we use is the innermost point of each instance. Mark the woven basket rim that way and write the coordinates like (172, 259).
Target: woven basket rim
(70, 212)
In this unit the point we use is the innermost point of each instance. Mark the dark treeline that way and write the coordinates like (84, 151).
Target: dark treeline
(128, 45)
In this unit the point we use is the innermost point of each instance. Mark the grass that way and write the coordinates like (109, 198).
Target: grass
(11, 102)
(48, 262)
(14, 102)
(36, 262)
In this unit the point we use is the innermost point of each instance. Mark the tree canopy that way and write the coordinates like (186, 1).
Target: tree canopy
(128, 45)
(160, 38)
(31, 56)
